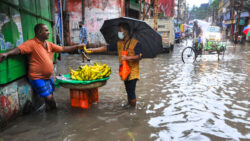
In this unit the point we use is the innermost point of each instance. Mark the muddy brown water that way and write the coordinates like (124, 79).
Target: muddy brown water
(207, 100)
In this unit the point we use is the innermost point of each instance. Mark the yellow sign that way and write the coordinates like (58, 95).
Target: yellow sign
(229, 22)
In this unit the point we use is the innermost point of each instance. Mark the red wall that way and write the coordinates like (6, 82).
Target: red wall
(166, 7)
(96, 11)
(71, 6)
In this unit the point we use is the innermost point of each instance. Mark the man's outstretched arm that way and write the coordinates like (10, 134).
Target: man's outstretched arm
(14, 51)
(72, 48)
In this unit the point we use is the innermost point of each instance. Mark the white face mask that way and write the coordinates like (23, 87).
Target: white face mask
(120, 35)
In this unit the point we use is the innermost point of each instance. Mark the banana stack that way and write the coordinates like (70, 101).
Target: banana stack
(87, 72)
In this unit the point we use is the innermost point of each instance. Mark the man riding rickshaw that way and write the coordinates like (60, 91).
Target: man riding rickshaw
(197, 34)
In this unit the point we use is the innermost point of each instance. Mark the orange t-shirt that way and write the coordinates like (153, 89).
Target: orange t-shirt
(40, 59)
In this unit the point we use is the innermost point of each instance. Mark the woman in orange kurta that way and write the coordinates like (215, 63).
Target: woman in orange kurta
(134, 49)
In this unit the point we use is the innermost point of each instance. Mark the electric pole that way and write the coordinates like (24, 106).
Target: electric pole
(144, 8)
(238, 15)
(178, 6)
(140, 9)
(155, 14)
(232, 17)
(149, 5)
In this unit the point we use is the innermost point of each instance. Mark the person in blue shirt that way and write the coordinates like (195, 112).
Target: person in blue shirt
(83, 33)
(83, 39)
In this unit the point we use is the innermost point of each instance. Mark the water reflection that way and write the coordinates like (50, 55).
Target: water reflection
(207, 100)
(203, 103)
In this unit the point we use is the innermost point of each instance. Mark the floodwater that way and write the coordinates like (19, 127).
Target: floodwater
(202, 101)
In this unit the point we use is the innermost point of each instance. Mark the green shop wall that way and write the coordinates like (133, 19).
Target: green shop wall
(17, 21)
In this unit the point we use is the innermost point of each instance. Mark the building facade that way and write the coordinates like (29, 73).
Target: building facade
(93, 13)
(180, 12)
(229, 11)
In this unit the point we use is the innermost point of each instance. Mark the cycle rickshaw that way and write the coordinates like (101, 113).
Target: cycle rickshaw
(213, 44)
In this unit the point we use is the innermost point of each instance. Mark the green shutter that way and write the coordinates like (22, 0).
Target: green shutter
(19, 18)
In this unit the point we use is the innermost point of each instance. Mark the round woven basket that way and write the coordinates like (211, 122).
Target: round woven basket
(84, 86)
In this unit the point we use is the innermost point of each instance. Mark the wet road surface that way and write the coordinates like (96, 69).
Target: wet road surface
(207, 100)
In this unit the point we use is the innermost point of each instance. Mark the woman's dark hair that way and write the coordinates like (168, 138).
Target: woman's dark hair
(125, 26)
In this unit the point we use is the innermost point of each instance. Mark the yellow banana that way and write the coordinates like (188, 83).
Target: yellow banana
(86, 72)
(85, 50)
(73, 71)
(105, 72)
(79, 78)
(108, 74)
(95, 77)
(73, 77)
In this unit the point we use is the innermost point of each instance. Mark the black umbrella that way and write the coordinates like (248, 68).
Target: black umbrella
(151, 41)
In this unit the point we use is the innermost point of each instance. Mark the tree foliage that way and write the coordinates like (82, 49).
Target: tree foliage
(204, 11)
(215, 5)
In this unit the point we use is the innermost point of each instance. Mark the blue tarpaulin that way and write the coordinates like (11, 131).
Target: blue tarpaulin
(227, 16)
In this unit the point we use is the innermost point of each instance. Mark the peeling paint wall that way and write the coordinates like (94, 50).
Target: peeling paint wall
(96, 11)
(13, 97)
(74, 8)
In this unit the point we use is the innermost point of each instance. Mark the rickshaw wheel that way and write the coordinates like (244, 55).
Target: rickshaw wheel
(188, 55)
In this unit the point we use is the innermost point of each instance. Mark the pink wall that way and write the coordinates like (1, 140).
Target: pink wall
(13, 97)
(96, 11)
(166, 7)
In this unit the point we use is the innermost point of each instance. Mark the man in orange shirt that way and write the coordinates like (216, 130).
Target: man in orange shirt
(40, 54)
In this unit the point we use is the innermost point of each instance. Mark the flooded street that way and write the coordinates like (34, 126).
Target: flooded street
(207, 100)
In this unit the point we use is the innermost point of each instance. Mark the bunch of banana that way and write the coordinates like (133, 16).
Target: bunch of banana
(87, 72)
